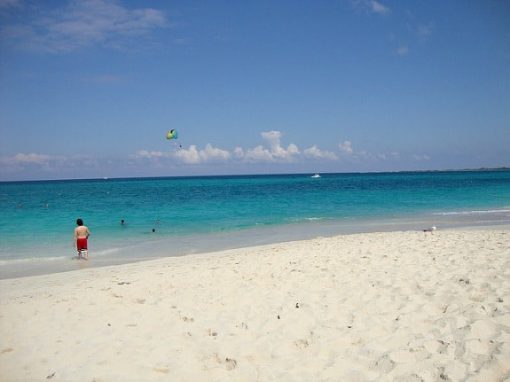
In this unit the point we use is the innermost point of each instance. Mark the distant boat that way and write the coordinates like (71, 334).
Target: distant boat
(315, 176)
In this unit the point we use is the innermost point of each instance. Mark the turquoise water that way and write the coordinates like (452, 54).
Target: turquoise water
(202, 213)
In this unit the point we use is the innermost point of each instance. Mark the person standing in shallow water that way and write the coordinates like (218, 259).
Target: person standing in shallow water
(81, 235)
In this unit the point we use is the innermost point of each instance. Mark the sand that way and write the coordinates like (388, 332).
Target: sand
(394, 306)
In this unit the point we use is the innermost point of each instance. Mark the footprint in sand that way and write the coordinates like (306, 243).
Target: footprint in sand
(408, 378)
(162, 370)
(301, 344)
(383, 364)
(243, 326)
(230, 363)
(212, 333)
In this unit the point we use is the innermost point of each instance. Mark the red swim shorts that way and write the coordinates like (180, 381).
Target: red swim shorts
(81, 243)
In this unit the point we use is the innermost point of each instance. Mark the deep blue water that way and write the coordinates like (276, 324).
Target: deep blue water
(37, 218)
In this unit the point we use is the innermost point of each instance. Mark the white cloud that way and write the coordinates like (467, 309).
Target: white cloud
(150, 154)
(371, 6)
(346, 148)
(211, 153)
(31, 158)
(189, 156)
(377, 7)
(273, 137)
(39, 163)
(316, 153)
(276, 151)
(83, 23)
(239, 152)
(258, 154)
(21, 159)
(349, 153)
(192, 155)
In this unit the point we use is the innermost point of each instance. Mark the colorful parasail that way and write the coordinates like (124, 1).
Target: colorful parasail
(172, 134)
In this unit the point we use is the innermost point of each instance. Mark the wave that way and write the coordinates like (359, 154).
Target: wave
(107, 251)
(305, 219)
(25, 260)
(473, 212)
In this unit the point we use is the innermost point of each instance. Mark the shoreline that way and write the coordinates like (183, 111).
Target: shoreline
(163, 247)
(386, 306)
(169, 246)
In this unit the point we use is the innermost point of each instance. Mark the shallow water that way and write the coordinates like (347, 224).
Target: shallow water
(199, 214)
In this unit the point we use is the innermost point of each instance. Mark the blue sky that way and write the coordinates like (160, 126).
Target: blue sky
(89, 88)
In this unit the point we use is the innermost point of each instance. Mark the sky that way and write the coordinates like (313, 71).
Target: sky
(89, 88)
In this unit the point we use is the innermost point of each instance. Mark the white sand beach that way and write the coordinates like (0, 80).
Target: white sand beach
(393, 306)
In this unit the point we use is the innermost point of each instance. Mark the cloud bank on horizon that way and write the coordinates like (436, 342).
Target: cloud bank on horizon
(272, 151)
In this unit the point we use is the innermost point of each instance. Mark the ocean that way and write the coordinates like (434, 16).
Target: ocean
(200, 214)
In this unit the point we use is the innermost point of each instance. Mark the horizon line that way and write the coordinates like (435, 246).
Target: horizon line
(479, 169)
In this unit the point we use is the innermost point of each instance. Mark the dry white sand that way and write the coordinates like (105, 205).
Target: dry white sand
(398, 306)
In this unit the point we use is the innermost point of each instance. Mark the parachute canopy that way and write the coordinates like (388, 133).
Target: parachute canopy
(172, 134)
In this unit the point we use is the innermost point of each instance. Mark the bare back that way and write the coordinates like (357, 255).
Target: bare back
(81, 232)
